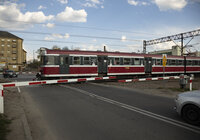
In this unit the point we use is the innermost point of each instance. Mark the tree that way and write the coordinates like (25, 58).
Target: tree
(55, 47)
(65, 48)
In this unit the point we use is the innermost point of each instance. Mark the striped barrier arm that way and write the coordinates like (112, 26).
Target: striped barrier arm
(28, 83)
(149, 79)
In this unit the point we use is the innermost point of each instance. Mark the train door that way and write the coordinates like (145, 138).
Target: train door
(102, 64)
(64, 64)
(148, 65)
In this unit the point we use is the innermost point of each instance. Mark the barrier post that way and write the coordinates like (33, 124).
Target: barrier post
(191, 78)
(1, 100)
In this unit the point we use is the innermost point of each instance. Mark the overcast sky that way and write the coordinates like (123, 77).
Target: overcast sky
(121, 25)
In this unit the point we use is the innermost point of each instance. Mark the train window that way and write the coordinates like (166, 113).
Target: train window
(136, 61)
(93, 60)
(142, 61)
(49, 60)
(189, 62)
(76, 60)
(86, 60)
(127, 61)
(61, 60)
(153, 62)
(172, 62)
(180, 62)
(42, 60)
(66, 60)
(56, 60)
(195, 62)
(116, 61)
(158, 61)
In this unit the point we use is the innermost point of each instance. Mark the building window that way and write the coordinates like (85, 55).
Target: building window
(14, 58)
(76, 60)
(2, 39)
(14, 52)
(14, 40)
(8, 45)
(14, 45)
(8, 40)
(2, 45)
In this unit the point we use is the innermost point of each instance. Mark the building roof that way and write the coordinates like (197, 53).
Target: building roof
(5, 34)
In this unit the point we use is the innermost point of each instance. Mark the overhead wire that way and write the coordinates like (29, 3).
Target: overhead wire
(83, 43)
(74, 35)
(84, 27)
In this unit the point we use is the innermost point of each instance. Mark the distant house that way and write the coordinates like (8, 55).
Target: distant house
(176, 50)
(12, 54)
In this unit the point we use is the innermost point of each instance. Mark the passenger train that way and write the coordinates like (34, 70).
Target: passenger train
(76, 63)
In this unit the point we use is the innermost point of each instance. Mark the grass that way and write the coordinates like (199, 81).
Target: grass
(4, 123)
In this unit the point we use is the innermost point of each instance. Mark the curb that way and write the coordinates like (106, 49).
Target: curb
(27, 130)
(26, 127)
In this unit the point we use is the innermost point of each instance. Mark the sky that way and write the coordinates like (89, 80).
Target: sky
(120, 25)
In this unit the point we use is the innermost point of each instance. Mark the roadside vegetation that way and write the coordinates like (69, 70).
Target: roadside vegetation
(4, 124)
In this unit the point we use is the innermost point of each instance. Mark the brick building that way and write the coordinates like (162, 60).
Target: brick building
(12, 54)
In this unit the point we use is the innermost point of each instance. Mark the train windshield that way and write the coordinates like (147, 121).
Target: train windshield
(48, 60)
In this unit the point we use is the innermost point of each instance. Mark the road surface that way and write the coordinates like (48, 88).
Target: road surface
(92, 112)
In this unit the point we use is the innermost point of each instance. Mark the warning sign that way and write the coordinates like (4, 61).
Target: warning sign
(164, 60)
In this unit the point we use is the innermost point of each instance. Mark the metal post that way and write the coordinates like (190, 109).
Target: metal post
(1, 100)
(144, 46)
(181, 44)
(191, 78)
(185, 63)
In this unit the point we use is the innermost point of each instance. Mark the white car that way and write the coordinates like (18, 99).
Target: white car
(188, 106)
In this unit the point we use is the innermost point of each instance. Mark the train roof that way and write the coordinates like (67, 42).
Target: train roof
(78, 52)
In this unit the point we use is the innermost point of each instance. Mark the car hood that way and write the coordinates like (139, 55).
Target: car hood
(195, 93)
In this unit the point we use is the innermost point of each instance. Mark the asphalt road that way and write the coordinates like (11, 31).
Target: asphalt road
(92, 112)
(21, 77)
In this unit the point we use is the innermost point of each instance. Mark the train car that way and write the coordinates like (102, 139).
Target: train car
(75, 63)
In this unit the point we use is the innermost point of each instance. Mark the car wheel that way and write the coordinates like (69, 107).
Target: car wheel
(191, 114)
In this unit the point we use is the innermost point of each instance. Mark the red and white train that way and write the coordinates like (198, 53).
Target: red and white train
(75, 63)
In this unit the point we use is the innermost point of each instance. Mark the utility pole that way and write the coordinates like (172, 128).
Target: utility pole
(144, 46)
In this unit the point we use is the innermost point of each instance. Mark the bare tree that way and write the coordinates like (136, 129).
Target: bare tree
(55, 47)
(65, 48)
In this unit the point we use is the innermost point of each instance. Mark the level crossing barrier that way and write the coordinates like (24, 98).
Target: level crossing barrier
(150, 79)
(43, 82)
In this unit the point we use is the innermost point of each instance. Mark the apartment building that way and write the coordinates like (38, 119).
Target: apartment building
(12, 54)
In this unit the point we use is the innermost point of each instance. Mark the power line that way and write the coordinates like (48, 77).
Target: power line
(35, 40)
(84, 27)
(73, 35)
